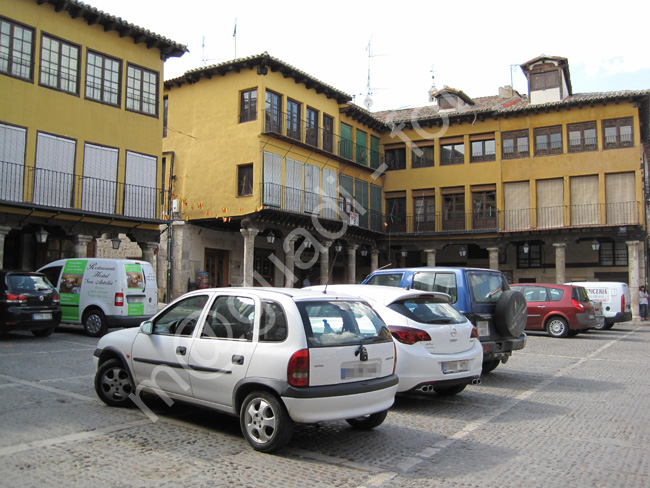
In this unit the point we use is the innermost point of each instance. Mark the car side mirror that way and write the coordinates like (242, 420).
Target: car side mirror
(146, 327)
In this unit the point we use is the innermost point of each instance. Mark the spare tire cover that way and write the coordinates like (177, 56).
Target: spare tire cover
(511, 313)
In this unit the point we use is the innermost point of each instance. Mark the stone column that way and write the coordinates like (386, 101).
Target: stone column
(81, 245)
(494, 257)
(560, 262)
(3, 233)
(289, 261)
(148, 254)
(352, 263)
(431, 257)
(249, 255)
(374, 260)
(325, 262)
(633, 271)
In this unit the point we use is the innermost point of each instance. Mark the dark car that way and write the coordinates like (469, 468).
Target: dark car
(560, 310)
(28, 301)
(482, 295)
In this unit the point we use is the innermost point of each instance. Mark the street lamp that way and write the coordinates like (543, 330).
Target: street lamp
(338, 247)
(404, 252)
(41, 236)
(116, 242)
(526, 248)
(270, 237)
(595, 245)
(364, 251)
(462, 252)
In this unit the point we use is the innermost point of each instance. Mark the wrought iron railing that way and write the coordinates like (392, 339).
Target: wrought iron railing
(62, 190)
(303, 131)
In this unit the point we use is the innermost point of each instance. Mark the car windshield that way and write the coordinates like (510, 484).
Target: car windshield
(27, 283)
(427, 310)
(341, 322)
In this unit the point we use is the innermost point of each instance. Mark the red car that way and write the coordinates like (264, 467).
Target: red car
(560, 310)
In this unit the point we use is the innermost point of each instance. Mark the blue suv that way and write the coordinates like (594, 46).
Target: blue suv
(482, 295)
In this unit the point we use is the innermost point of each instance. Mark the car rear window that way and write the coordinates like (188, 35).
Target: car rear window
(18, 283)
(341, 322)
(486, 287)
(427, 310)
(392, 279)
(440, 282)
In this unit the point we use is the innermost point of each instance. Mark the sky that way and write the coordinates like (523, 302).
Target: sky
(393, 48)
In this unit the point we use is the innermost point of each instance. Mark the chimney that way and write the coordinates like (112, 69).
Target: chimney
(506, 92)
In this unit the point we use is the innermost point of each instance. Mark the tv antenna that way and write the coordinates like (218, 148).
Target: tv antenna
(234, 36)
(368, 100)
(204, 60)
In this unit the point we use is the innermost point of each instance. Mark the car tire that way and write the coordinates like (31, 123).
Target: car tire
(95, 323)
(264, 421)
(573, 332)
(511, 313)
(491, 365)
(368, 422)
(449, 390)
(113, 384)
(608, 325)
(44, 332)
(557, 327)
(601, 325)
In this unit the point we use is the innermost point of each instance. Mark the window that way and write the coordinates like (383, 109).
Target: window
(374, 152)
(361, 201)
(311, 131)
(515, 144)
(517, 205)
(396, 158)
(486, 287)
(103, 78)
(54, 170)
(613, 254)
(141, 90)
(437, 282)
(59, 65)
(550, 203)
(618, 133)
(482, 149)
(544, 81)
(452, 153)
(484, 207)
(548, 140)
(230, 317)
(621, 207)
(396, 212)
(582, 137)
(248, 105)
(99, 185)
(140, 185)
(392, 279)
(453, 205)
(165, 114)
(181, 318)
(273, 112)
(16, 49)
(530, 259)
(584, 200)
(362, 148)
(273, 327)
(12, 162)
(422, 157)
(293, 119)
(328, 133)
(556, 294)
(424, 205)
(244, 180)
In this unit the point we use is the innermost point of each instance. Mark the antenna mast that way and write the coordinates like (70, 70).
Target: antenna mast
(234, 36)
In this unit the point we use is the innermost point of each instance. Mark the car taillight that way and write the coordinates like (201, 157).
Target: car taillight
(622, 302)
(13, 298)
(577, 304)
(474, 334)
(119, 299)
(298, 369)
(56, 298)
(408, 335)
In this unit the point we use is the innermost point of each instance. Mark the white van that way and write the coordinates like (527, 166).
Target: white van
(101, 293)
(614, 296)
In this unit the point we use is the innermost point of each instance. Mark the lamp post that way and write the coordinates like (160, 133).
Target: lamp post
(595, 245)
(404, 252)
(41, 236)
(270, 237)
(462, 252)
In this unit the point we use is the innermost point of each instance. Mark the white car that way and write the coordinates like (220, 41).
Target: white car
(438, 349)
(270, 356)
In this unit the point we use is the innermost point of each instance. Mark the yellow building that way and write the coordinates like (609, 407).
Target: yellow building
(268, 162)
(80, 131)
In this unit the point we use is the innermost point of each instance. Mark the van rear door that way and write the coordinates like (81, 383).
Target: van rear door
(140, 289)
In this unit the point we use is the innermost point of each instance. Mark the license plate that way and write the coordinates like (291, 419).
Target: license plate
(361, 370)
(42, 316)
(592, 316)
(483, 327)
(135, 299)
(455, 367)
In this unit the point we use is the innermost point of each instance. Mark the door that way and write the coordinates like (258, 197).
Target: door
(216, 264)
(220, 356)
(346, 141)
(160, 359)
(537, 300)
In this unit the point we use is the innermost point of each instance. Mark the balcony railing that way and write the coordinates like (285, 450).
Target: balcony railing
(301, 130)
(299, 201)
(56, 189)
(559, 217)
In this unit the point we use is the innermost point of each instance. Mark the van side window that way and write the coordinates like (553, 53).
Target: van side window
(440, 282)
(230, 317)
(53, 274)
(182, 318)
(386, 279)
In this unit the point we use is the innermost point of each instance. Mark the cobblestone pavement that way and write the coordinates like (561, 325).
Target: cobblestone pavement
(562, 413)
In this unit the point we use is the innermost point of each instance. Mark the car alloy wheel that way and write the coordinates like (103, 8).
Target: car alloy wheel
(113, 384)
(557, 327)
(265, 422)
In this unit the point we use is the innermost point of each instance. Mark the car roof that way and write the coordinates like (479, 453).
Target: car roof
(384, 295)
(298, 294)
(432, 268)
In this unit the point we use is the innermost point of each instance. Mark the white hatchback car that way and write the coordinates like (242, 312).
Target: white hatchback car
(438, 349)
(271, 356)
